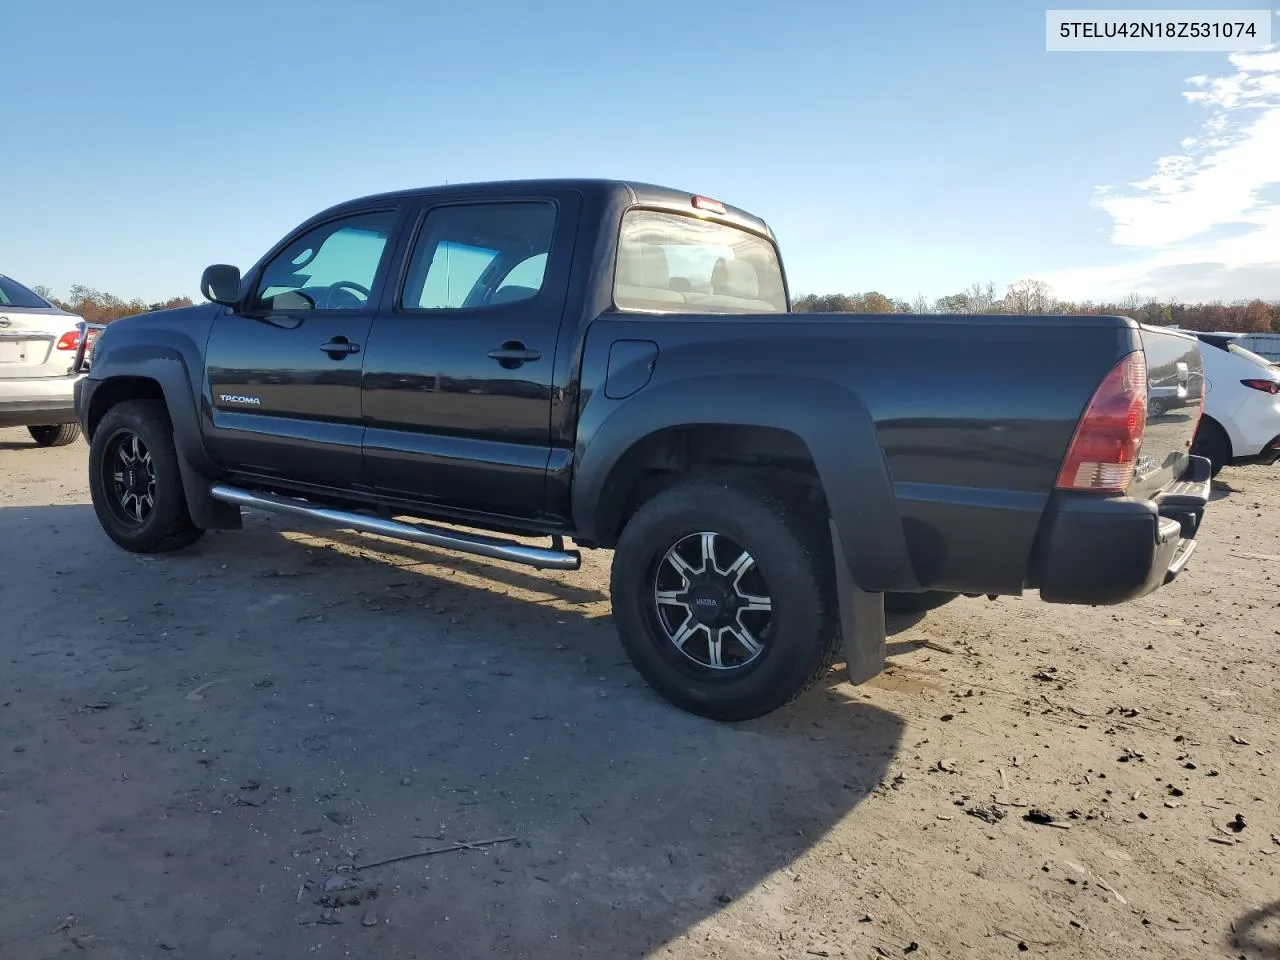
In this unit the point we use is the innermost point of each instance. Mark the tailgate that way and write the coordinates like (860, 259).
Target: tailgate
(1175, 385)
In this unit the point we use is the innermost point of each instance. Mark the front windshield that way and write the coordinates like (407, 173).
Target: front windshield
(14, 294)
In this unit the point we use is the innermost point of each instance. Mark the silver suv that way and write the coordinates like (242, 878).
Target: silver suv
(38, 344)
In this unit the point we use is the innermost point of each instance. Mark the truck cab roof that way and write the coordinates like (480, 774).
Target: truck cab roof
(600, 190)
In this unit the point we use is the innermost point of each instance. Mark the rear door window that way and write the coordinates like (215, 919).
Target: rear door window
(475, 255)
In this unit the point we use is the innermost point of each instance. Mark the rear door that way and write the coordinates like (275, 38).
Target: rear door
(458, 375)
(284, 372)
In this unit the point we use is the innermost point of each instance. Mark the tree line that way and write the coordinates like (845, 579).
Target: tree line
(1035, 297)
(95, 306)
(1024, 297)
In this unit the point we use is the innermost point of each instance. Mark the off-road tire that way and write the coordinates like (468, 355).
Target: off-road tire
(788, 539)
(168, 525)
(54, 435)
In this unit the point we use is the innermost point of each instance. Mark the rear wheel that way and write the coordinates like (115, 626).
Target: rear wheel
(134, 480)
(1212, 442)
(721, 597)
(54, 435)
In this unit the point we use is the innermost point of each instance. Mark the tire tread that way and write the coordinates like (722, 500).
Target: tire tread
(171, 532)
(805, 522)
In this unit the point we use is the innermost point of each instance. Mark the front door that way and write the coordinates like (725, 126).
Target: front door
(284, 370)
(458, 375)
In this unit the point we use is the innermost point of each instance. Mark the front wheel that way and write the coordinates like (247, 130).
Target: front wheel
(54, 435)
(134, 480)
(722, 599)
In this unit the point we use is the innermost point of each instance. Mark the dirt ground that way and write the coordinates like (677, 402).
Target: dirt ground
(206, 755)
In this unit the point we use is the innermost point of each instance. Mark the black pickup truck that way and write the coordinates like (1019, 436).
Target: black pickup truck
(617, 364)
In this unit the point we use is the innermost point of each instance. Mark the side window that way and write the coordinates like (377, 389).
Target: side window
(331, 267)
(479, 254)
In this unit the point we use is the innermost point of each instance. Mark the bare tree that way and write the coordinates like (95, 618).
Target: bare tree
(1029, 295)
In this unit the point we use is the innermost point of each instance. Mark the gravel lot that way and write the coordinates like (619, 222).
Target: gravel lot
(204, 754)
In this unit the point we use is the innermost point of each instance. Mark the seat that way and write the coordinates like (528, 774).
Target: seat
(643, 274)
(512, 293)
(734, 284)
(735, 278)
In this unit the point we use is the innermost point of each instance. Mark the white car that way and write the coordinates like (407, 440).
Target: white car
(1241, 419)
(38, 344)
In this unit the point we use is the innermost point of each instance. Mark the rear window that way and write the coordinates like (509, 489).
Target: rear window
(671, 262)
(14, 294)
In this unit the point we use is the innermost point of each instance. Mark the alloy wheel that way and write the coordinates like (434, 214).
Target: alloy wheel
(712, 602)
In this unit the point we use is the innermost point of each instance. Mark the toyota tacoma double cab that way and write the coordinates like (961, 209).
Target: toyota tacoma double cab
(616, 365)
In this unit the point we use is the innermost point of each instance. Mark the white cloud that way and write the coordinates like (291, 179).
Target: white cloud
(1206, 223)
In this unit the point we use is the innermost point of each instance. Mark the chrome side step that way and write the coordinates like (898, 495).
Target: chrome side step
(540, 557)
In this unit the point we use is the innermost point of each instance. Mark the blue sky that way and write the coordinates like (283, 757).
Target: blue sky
(911, 148)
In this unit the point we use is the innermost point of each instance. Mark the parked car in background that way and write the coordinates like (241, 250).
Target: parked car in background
(1265, 345)
(38, 344)
(1241, 420)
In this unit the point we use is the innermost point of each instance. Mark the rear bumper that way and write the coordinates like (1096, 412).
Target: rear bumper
(1268, 455)
(1110, 550)
(36, 403)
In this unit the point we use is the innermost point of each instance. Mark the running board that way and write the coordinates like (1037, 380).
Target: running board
(540, 557)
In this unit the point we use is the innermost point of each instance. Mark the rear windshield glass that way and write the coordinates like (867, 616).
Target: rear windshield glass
(14, 294)
(671, 262)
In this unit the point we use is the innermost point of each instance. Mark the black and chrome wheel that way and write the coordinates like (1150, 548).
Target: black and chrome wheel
(129, 478)
(722, 597)
(134, 479)
(712, 602)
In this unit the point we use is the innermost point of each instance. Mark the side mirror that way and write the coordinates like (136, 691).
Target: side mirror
(221, 284)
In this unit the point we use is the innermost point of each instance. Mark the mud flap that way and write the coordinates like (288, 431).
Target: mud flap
(206, 512)
(861, 618)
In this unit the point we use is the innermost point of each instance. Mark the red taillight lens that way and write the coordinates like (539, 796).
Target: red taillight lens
(69, 340)
(1104, 450)
(706, 203)
(1266, 386)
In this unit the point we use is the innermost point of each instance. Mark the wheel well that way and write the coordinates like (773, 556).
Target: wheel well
(655, 462)
(1207, 422)
(117, 390)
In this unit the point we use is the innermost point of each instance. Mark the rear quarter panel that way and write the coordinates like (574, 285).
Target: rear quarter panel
(969, 418)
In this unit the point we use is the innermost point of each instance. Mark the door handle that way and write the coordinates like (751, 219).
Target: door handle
(513, 353)
(340, 347)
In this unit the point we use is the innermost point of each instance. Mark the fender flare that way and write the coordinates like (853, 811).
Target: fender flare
(166, 366)
(832, 423)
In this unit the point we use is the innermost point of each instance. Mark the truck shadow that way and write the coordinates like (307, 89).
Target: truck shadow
(1257, 933)
(221, 732)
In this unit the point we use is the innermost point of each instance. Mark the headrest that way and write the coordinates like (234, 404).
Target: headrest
(643, 265)
(735, 278)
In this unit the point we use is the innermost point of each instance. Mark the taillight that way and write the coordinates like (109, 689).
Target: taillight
(1104, 450)
(1266, 386)
(69, 340)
